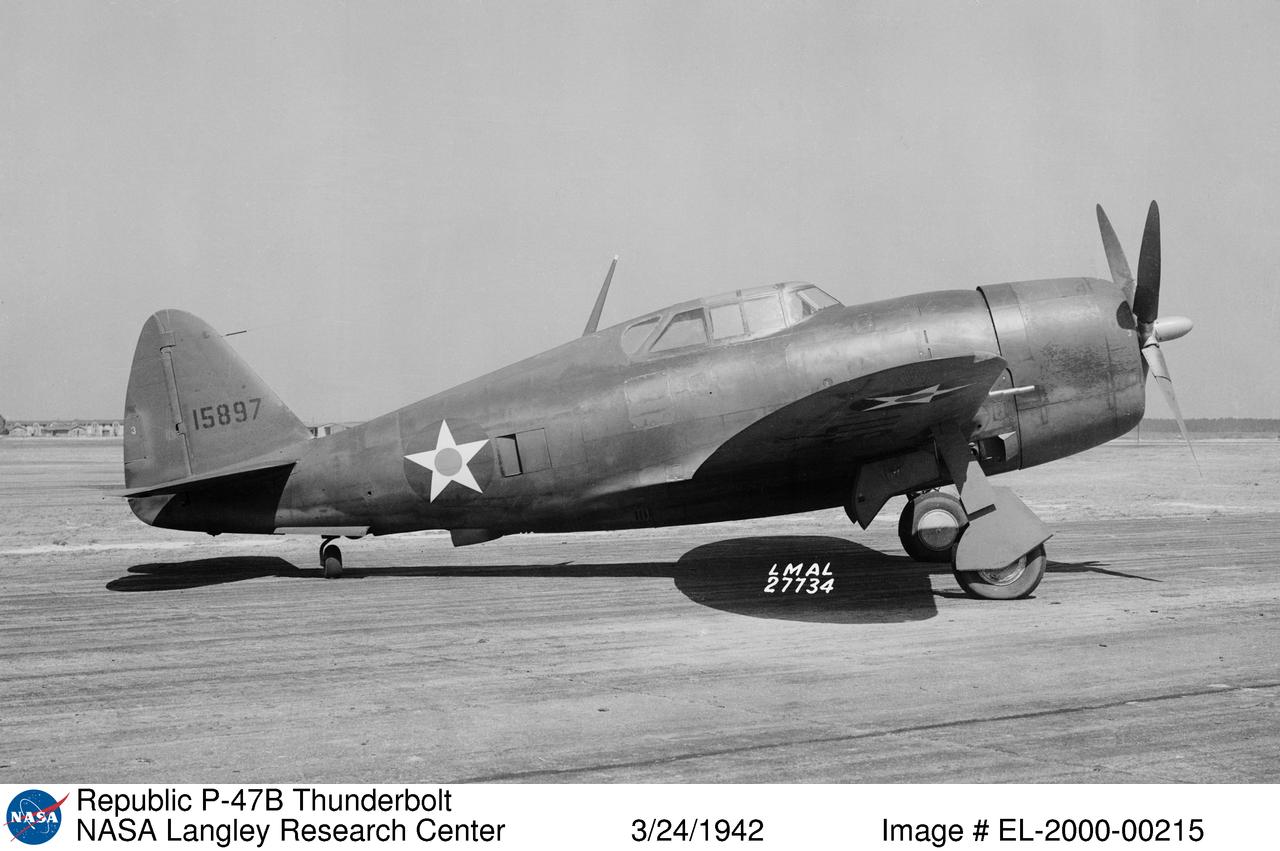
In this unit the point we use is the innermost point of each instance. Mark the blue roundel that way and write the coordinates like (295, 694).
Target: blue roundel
(33, 817)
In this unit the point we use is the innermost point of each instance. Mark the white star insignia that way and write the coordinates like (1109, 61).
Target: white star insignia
(448, 461)
(919, 397)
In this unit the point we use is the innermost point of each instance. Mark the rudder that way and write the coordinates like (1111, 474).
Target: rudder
(194, 406)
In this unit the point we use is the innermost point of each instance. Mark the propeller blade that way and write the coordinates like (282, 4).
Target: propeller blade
(1160, 371)
(1146, 304)
(1115, 257)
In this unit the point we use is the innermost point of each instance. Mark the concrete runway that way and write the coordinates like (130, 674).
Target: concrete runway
(1149, 653)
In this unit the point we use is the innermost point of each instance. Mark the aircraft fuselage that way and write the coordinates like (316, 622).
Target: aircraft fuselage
(587, 436)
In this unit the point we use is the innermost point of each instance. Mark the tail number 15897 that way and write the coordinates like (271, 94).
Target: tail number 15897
(239, 411)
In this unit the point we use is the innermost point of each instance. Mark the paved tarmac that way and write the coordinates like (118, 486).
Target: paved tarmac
(1148, 654)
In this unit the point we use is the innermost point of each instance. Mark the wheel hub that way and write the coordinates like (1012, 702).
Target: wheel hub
(1006, 575)
(937, 529)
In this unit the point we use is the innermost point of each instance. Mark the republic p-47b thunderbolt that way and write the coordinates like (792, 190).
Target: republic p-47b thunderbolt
(757, 402)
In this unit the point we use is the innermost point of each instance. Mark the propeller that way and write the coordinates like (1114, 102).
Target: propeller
(1115, 256)
(1144, 296)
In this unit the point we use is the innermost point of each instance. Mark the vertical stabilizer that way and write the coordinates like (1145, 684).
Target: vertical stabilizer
(194, 406)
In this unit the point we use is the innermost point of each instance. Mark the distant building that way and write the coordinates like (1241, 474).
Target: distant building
(69, 428)
(104, 428)
(327, 429)
(115, 428)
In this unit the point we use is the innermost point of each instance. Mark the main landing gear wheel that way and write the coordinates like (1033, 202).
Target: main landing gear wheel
(942, 519)
(1011, 582)
(330, 559)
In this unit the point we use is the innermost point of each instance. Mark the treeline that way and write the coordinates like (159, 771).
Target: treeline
(1217, 425)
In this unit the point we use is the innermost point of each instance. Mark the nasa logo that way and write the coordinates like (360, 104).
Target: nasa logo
(34, 816)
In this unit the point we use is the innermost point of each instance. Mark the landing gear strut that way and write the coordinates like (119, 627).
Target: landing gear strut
(1000, 556)
(330, 559)
(930, 525)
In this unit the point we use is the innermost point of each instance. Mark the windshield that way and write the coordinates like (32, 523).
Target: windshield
(685, 329)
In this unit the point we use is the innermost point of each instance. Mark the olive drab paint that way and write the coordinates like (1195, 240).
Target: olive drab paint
(758, 402)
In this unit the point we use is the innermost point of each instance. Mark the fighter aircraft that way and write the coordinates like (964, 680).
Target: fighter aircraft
(757, 402)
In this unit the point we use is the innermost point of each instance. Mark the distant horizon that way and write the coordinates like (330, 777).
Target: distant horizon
(1255, 423)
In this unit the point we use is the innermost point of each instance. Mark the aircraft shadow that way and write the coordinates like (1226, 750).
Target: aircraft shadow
(846, 582)
(851, 583)
(198, 573)
(832, 580)
(1094, 567)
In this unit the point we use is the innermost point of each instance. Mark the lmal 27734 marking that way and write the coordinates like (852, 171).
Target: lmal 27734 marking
(226, 413)
(799, 578)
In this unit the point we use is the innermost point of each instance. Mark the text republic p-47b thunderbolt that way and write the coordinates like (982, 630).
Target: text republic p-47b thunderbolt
(754, 403)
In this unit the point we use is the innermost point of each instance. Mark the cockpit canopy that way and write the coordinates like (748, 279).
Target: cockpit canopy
(729, 318)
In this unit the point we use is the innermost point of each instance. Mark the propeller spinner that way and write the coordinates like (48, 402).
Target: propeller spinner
(1144, 296)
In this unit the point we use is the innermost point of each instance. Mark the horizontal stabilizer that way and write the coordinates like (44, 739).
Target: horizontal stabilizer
(217, 477)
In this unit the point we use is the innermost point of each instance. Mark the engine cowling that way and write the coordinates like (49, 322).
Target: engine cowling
(1074, 341)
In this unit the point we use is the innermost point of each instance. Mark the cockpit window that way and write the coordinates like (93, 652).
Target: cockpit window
(633, 337)
(806, 301)
(726, 321)
(764, 315)
(685, 329)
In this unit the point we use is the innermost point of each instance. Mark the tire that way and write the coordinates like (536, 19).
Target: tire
(331, 562)
(940, 509)
(1012, 582)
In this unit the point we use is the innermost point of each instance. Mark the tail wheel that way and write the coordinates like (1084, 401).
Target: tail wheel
(1011, 582)
(331, 561)
(930, 525)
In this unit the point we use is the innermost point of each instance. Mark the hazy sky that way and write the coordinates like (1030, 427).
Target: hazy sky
(394, 197)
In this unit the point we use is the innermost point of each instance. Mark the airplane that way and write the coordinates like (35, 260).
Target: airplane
(758, 402)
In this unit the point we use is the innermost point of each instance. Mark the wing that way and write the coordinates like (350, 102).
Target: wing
(866, 417)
